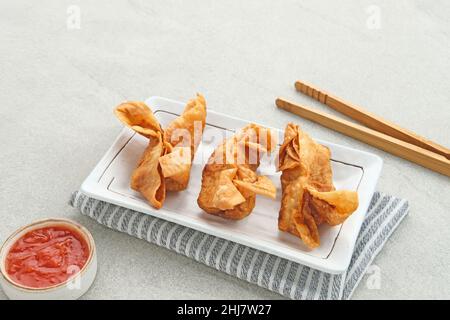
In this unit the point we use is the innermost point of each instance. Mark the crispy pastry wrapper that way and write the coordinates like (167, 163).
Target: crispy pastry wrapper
(166, 163)
(308, 194)
(229, 180)
(137, 116)
(147, 178)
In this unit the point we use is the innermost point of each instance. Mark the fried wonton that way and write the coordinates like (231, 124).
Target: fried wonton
(229, 180)
(167, 160)
(309, 197)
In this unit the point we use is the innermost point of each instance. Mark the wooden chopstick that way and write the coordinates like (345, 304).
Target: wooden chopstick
(377, 139)
(370, 120)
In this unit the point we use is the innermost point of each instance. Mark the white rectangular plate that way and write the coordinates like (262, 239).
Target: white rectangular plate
(352, 169)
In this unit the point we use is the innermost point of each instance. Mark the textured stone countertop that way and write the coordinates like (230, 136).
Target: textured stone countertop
(60, 78)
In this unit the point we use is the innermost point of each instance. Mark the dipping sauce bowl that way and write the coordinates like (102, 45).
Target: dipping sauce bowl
(48, 259)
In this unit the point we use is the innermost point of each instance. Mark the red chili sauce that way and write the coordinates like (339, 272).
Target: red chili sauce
(46, 257)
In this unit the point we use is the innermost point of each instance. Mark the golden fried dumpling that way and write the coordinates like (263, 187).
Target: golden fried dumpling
(229, 180)
(308, 194)
(166, 163)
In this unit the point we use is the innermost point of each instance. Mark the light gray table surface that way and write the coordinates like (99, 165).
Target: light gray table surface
(59, 84)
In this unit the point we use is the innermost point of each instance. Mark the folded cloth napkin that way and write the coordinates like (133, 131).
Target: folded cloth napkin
(288, 278)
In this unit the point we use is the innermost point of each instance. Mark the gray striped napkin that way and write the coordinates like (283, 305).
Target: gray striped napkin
(288, 278)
